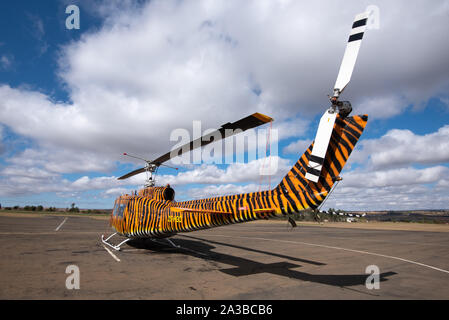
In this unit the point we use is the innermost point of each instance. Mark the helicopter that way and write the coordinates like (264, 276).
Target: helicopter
(152, 212)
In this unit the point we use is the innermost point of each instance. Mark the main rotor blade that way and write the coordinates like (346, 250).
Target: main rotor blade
(351, 52)
(244, 124)
(132, 173)
(226, 130)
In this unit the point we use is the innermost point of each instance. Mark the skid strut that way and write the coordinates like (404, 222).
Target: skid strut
(115, 247)
(169, 242)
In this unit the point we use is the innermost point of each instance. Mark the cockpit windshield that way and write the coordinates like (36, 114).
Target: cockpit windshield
(119, 207)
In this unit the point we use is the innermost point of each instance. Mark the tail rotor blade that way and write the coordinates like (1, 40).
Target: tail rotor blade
(323, 136)
(351, 52)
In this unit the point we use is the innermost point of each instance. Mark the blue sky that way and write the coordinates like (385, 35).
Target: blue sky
(72, 101)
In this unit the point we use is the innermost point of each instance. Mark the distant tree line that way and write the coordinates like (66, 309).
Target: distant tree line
(40, 208)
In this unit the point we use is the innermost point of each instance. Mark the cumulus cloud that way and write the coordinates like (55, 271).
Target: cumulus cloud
(297, 147)
(405, 197)
(234, 173)
(395, 177)
(2, 148)
(173, 62)
(223, 189)
(382, 107)
(18, 180)
(403, 147)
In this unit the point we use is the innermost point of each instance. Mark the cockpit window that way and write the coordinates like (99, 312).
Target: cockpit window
(122, 208)
(119, 207)
(115, 211)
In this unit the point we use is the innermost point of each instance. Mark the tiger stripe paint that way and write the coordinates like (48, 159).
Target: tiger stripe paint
(153, 213)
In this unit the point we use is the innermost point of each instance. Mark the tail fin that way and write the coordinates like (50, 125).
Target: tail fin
(345, 134)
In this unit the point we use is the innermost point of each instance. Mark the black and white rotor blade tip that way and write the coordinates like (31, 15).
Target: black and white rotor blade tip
(351, 52)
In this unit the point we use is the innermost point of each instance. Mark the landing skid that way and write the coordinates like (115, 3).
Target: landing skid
(115, 247)
(169, 241)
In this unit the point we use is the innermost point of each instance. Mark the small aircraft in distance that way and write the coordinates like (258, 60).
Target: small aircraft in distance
(153, 213)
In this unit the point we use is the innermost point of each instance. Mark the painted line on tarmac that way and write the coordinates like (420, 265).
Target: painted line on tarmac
(355, 238)
(112, 255)
(337, 248)
(61, 224)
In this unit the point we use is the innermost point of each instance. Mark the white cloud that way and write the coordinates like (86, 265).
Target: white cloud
(298, 146)
(413, 197)
(146, 72)
(296, 127)
(394, 177)
(223, 190)
(234, 173)
(2, 148)
(115, 192)
(403, 147)
(6, 61)
(381, 107)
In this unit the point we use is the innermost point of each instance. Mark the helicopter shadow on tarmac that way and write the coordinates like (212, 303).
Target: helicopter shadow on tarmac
(202, 249)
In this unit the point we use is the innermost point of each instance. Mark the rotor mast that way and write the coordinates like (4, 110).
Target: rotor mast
(149, 169)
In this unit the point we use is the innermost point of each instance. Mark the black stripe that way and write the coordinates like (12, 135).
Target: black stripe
(354, 123)
(287, 197)
(359, 23)
(281, 204)
(316, 159)
(353, 140)
(292, 187)
(333, 157)
(313, 171)
(259, 203)
(354, 132)
(357, 36)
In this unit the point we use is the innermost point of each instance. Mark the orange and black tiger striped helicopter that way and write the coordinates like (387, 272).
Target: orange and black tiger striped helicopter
(153, 213)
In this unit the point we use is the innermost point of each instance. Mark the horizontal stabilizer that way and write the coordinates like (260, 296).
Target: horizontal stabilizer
(266, 210)
(178, 209)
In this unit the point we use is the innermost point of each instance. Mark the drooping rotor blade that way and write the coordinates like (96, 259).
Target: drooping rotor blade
(226, 130)
(351, 52)
(132, 173)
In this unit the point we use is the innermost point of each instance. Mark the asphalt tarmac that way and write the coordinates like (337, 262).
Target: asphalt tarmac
(257, 261)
